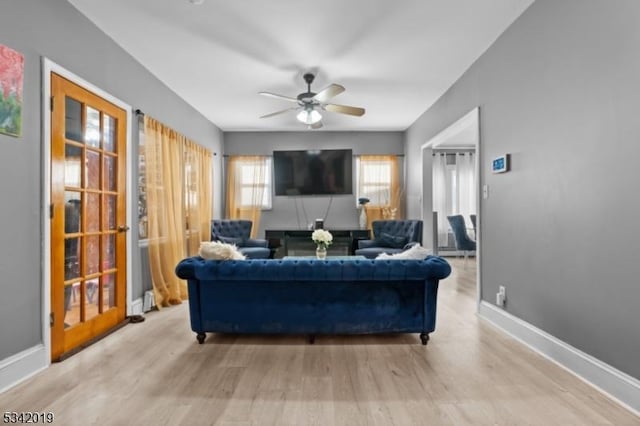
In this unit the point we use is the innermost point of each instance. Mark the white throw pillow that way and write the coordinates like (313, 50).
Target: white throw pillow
(220, 251)
(416, 252)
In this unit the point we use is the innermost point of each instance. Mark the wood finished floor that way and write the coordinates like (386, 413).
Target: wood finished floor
(154, 373)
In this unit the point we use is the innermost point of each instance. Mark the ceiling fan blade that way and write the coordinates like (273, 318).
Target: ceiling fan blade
(316, 125)
(345, 109)
(328, 92)
(277, 113)
(282, 97)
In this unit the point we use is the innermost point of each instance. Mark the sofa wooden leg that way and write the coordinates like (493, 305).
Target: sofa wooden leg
(424, 338)
(312, 339)
(201, 337)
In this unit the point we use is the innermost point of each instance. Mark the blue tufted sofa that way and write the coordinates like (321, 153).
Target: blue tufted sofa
(308, 296)
(391, 236)
(237, 231)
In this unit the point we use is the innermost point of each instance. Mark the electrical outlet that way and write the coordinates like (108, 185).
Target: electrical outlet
(501, 296)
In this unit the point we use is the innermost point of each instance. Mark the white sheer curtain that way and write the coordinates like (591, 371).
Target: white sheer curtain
(440, 195)
(466, 169)
(454, 189)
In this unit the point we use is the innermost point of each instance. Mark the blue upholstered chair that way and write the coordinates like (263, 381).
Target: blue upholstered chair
(391, 236)
(237, 232)
(459, 228)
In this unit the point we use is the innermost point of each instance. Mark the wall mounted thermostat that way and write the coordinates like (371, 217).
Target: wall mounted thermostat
(500, 164)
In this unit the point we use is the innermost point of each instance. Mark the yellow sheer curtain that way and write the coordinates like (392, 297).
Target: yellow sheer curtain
(198, 195)
(246, 182)
(379, 180)
(178, 187)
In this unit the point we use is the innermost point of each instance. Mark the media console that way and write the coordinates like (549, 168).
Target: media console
(287, 242)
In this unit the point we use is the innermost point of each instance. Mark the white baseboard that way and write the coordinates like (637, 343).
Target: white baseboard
(617, 385)
(136, 306)
(21, 366)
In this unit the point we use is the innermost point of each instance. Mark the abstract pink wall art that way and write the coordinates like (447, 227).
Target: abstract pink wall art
(11, 79)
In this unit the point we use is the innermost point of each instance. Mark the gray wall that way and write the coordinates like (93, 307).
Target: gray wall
(56, 30)
(559, 91)
(343, 212)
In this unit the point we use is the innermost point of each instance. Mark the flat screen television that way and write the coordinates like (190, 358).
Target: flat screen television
(313, 172)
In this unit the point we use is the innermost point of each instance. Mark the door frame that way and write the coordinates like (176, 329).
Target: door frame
(49, 67)
(472, 117)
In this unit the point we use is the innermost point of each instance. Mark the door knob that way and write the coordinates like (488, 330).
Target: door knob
(123, 228)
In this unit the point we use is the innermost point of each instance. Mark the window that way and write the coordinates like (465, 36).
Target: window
(375, 179)
(195, 184)
(253, 182)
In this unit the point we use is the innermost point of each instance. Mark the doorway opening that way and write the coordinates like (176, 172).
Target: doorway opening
(451, 187)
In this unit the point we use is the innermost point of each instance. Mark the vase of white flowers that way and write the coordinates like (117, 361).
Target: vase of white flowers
(323, 239)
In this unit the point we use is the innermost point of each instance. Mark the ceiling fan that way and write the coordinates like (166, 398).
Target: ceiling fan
(309, 103)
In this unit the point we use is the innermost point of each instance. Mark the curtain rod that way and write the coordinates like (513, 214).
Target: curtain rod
(139, 113)
(271, 155)
(454, 151)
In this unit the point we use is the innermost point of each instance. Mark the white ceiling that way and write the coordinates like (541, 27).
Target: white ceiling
(395, 58)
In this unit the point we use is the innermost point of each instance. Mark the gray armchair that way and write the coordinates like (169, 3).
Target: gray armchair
(391, 236)
(237, 232)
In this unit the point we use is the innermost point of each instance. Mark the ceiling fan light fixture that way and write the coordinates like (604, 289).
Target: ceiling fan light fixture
(309, 116)
(309, 104)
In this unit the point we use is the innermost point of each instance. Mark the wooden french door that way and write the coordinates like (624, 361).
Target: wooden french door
(88, 216)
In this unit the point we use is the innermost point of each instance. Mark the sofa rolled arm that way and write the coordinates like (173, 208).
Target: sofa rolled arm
(362, 244)
(439, 268)
(255, 242)
(186, 269)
